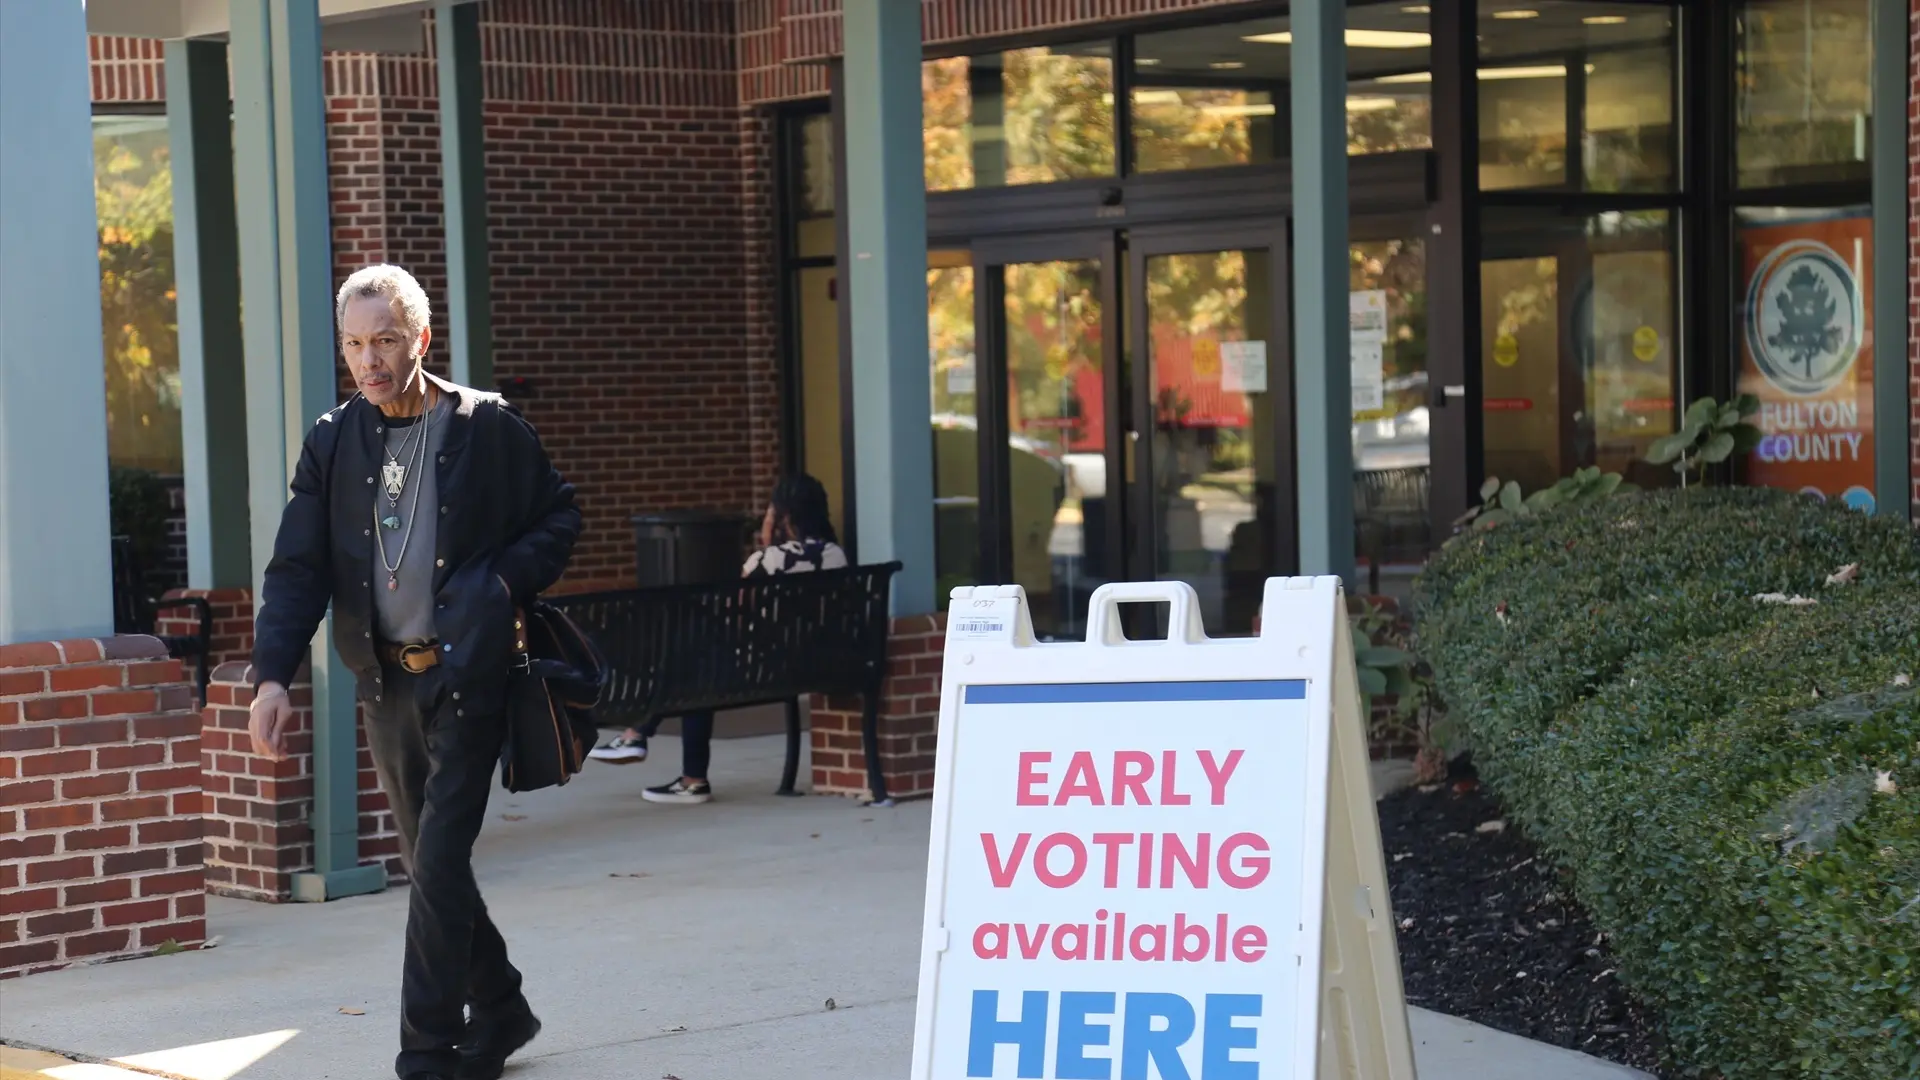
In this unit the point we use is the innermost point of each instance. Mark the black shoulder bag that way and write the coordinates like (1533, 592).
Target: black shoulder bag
(555, 683)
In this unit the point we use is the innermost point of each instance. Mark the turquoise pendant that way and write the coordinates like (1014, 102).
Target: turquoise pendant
(390, 522)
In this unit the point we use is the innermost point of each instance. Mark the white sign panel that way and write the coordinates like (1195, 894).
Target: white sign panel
(1369, 381)
(1156, 860)
(1243, 367)
(1367, 315)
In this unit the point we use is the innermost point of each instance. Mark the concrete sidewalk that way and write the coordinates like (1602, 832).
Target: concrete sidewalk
(754, 937)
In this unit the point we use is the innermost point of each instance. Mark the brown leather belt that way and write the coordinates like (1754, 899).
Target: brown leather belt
(413, 658)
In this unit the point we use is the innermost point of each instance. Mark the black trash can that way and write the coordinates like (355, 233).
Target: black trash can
(689, 547)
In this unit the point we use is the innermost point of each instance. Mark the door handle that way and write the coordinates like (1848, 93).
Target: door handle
(1441, 394)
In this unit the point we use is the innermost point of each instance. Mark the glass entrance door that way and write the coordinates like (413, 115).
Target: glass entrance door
(1211, 402)
(1050, 516)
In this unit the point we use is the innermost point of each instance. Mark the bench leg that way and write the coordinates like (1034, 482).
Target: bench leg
(791, 771)
(870, 743)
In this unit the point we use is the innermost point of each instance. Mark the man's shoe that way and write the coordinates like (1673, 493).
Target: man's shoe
(486, 1058)
(680, 792)
(621, 750)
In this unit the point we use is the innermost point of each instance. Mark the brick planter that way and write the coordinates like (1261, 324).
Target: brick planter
(909, 719)
(100, 851)
(258, 810)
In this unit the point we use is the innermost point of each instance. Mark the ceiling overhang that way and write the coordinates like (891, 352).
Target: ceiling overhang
(387, 26)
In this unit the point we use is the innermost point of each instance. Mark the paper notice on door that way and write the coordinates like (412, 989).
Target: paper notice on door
(960, 375)
(1369, 384)
(1243, 367)
(1367, 315)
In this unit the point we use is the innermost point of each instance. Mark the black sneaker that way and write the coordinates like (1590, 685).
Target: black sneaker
(680, 791)
(621, 750)
(485, 1058)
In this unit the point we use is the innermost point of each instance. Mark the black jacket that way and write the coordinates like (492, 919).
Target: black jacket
(504, 511)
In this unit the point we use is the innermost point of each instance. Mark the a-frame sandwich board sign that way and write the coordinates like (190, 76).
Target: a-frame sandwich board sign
(1156, 860)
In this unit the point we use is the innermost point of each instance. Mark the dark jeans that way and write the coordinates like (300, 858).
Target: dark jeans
(436, 759)
(696, 741)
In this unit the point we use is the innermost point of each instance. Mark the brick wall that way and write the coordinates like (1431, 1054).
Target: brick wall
(909, 719)
(232, 611)
(258, 810)
(100, 804)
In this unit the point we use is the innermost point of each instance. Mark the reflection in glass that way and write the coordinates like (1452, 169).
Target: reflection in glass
(1802, 97)
(1578, 364)
(1057, 439)
(1217, 95)
(1027, 116)
(812, 185)
(817, 334)
(1615, 61)
(1391, 455)
(1211, 354)
(956, 413)
(133, 193)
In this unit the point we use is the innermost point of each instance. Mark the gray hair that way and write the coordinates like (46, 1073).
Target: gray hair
(408, 299)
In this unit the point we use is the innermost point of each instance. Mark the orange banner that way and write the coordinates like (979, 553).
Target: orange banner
(1806, 330)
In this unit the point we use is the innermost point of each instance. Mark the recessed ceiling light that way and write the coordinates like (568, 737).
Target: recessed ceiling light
(1543, 71)
(1371, 104)
(1358, 39)
(1409, 77)
(1417, 9)
(1157, 97)
(1517, 13)
(1227, 65)
(1238, 110)
(1604, 20)
(1146, 61)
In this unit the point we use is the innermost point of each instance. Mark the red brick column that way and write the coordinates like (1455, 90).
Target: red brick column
(909, 719)
(232, 622)
(258, 810)
(99, 803)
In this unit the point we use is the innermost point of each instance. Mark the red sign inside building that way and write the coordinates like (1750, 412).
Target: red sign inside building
(1807, 354)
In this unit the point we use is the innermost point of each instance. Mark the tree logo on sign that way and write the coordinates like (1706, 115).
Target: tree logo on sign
(1804, 318)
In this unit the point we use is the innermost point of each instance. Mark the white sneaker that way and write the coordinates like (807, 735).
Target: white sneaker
(621, 750)
(680, 791)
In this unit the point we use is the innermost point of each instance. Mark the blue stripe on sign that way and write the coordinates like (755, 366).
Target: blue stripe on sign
(1066, 693)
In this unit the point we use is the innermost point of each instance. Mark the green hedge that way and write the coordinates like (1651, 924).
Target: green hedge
(1706, 766)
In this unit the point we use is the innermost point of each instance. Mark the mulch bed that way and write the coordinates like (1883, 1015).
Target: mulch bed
(1488, 932)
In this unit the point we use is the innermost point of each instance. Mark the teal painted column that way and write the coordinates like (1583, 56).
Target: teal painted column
(463, 166)
(280, 168)
(1323, 376)
(206, 269)
(886, 270)
(56, 559)
(1892, 432)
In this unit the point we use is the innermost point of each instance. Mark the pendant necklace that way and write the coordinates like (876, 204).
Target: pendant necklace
(393, 475)
(393, 569)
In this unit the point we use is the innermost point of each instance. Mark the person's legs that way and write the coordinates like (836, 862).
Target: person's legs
(696, 739)
(696, 745)
(437, 768)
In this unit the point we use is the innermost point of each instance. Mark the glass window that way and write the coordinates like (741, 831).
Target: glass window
(1391, 451)
(1613, 63)
(1215, 493)
(1217, 95)
(1578, 364)
(1026, 116)
(1057, 437)
(1802, 96)
(956, 421)
(1806, 324)
(813, 190)
(133, 195)
(817, 336)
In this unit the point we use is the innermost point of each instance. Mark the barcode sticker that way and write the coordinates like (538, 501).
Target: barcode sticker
(977, 626)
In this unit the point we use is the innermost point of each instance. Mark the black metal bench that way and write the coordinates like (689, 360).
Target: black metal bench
(137, 611)
(675, 649)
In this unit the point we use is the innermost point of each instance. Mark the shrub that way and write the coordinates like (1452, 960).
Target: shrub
(1719, 774)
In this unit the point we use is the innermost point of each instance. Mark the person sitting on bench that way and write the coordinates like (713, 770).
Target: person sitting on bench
(795, 537)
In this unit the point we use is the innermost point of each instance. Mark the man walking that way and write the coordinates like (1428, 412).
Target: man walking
(425, 512)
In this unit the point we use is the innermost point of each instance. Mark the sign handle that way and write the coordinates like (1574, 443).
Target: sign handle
(1183, 622)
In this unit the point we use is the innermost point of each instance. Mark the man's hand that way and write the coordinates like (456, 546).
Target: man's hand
(270, 720)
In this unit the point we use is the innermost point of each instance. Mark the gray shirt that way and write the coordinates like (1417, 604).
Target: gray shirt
(404, 614)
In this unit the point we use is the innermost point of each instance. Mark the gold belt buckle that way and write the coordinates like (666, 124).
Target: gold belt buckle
(409, 653)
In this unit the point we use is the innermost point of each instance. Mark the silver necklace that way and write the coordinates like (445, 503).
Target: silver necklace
(393, 475)
(393, 568)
